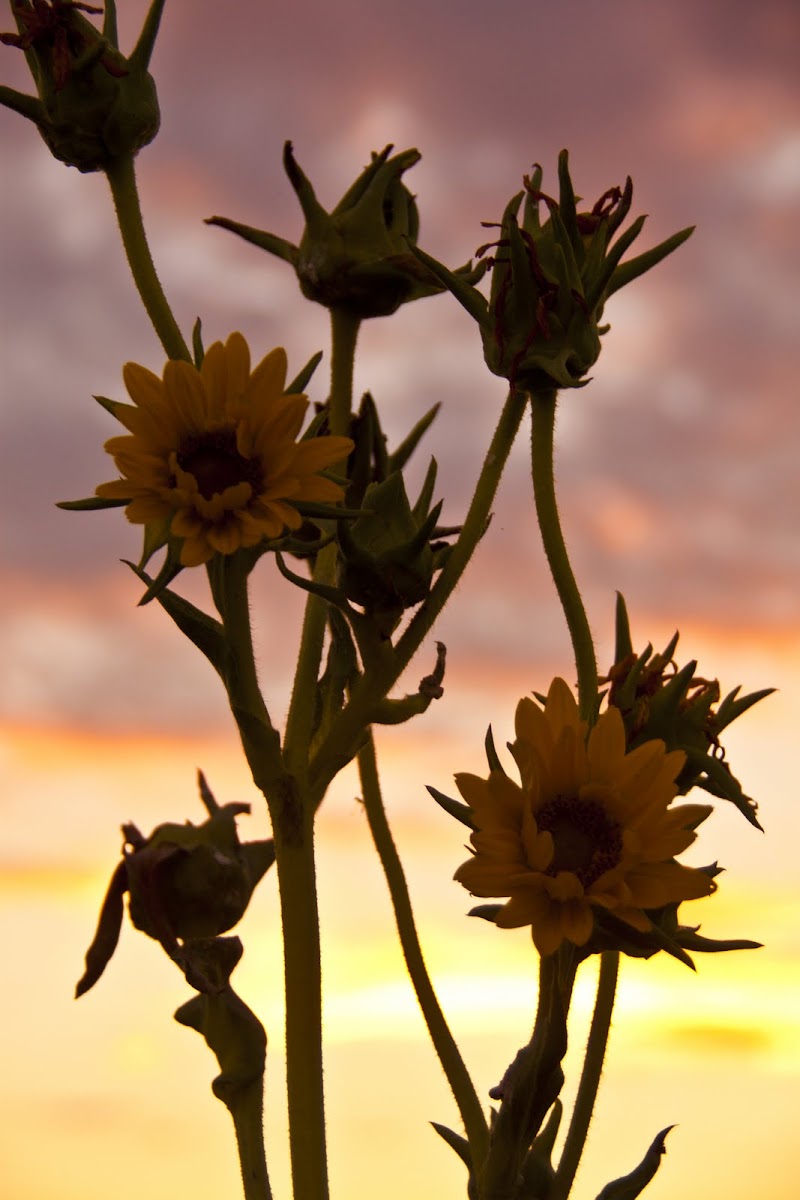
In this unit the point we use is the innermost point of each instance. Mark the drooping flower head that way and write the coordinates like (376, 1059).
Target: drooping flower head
(590, 827)
(211, 454)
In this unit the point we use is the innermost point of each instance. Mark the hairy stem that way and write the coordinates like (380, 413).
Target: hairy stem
(121, 177)
(462, 1087)
(341, 742)
(344, 334)
(542, 435)
(247, 1111)
(590, 1076)
(293, 829)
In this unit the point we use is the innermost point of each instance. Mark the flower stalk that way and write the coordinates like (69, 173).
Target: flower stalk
(121, 175)
(590, 1076)
(341, 743)
(453, 1065)
(543, 415)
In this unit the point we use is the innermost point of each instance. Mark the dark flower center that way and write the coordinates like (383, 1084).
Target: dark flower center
(585, 839)
(215, 462)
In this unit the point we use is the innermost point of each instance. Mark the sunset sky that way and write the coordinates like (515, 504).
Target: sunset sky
(678, 478)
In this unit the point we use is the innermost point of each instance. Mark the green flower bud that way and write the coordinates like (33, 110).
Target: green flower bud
(94, 105)
(550, 281)
(388, 558)
(359, 257)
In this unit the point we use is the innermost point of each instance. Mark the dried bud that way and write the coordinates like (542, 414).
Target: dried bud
(541, 326)
(185, 883)
(659, 700)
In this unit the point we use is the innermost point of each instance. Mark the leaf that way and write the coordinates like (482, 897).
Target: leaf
(204, 631)
(632, 1185)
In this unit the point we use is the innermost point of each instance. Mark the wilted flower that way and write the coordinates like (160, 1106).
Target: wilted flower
(211, 455)
(550, 281)
(590, 828)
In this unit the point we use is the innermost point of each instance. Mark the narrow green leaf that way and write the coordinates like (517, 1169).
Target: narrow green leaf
(300, 381)
(204, 631)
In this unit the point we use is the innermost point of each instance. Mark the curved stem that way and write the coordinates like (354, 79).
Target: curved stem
(122, 181)
(247, 1111)
(590, 1076)
(542, 430)
(341, 743)
(461, 1085)
(297, 739)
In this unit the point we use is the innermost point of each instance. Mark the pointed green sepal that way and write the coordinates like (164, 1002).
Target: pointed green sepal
(634, 267)
(90, 504)
(456, 1142)
(277, 246)
(303, 377)
(455, 808)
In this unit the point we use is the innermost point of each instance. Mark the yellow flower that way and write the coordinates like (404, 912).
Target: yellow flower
(590, 827)
(211, 454)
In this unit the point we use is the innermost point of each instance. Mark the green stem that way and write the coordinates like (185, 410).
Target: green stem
(341, 743)
(247, 1110)
(121, 177)
(590, 1076)
(534, 1080)
(297, 739)
(293, 830)
(462, 1087)
(344, 335)
(294, 846)
(542, 434)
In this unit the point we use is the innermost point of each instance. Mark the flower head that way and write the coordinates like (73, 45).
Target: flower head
(211, 454)
(589, 828)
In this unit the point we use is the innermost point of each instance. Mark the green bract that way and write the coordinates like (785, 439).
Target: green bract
(94, 105)
(357, 258)
(541, 325)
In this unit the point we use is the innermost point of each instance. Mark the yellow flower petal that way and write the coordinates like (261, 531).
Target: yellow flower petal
(215, 451)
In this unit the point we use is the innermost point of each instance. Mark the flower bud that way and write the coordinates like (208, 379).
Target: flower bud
(359, 257)
(94, 105)
(388, 559)
(550, 281)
